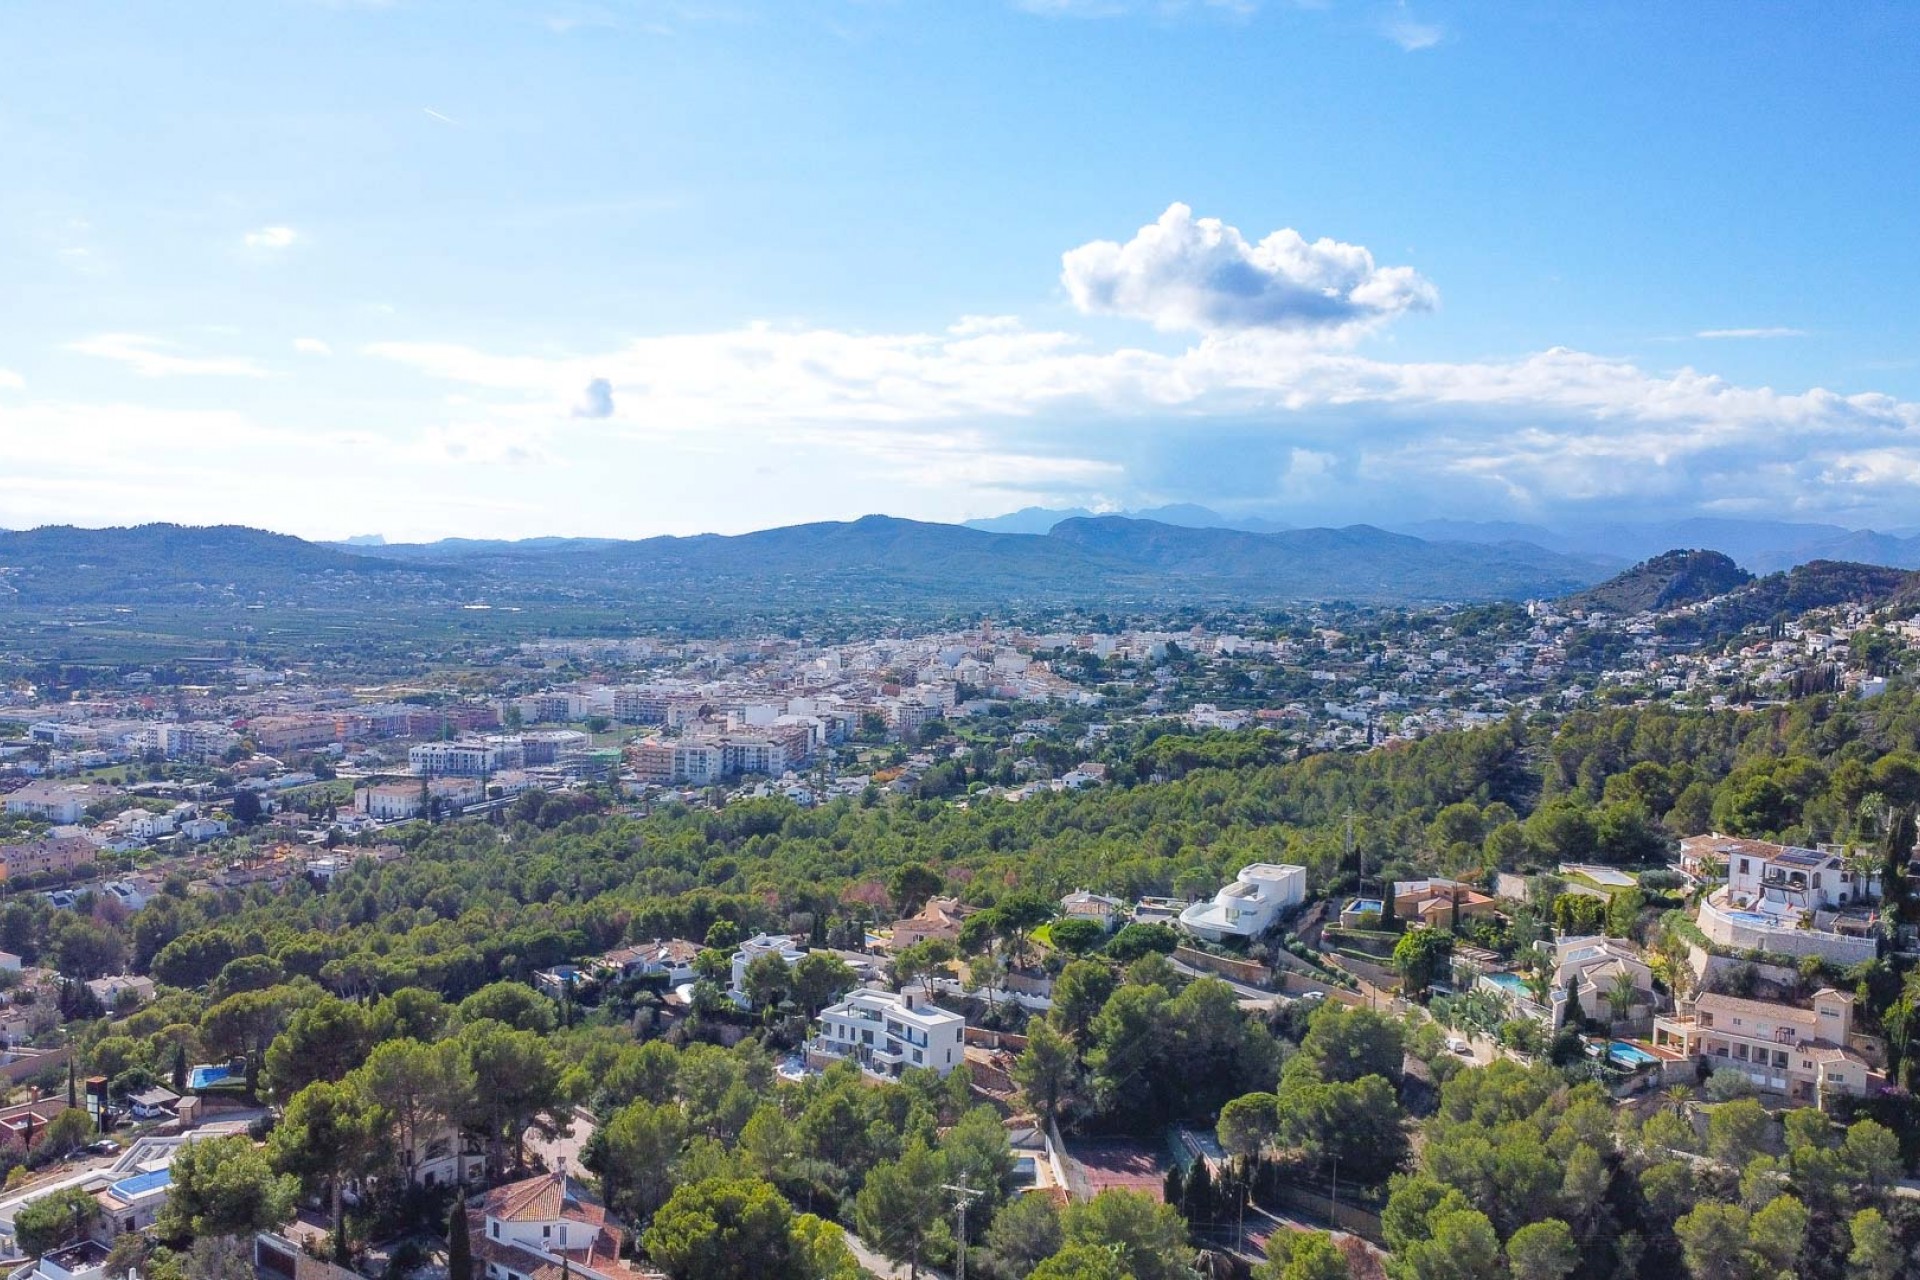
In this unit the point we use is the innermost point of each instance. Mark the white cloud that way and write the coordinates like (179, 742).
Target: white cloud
(1411, 34)
(443, 119)
(1182, 272)
(11, 381)
(271, 238)
(1027, 411)
(154, 358)
(312, 347)
(1776, 331)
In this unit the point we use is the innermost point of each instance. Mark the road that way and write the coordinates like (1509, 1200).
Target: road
(873, 1264)
(1250, 997)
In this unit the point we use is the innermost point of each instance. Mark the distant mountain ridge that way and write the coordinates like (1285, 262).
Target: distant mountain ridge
(1184, 514)
(875, 561)
(1666, 581)
(1759, 546)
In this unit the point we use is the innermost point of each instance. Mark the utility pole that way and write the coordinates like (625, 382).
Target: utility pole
(963, 1196)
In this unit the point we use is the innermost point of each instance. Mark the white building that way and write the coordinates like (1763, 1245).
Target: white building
(766, 944)
(1804, 879)
(545, 1227)
(1249, 906)
(889, 1032)
(452, 759)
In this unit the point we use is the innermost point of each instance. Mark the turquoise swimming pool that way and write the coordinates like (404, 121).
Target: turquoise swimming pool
(1630, 1055)
(1511, 983)
(201, 1077)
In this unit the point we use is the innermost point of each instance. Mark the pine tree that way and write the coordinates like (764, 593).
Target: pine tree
(459, 1247)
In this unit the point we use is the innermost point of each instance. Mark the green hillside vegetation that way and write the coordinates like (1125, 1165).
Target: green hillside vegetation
(1663, 582)
(404, 982)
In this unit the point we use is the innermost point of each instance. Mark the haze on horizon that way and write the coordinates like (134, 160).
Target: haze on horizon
(627, 267)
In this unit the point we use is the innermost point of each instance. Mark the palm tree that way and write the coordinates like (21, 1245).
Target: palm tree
(1677, 1096)
(1620, 994)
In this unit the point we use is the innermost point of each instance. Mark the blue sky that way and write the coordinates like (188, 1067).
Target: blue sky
(624, 268)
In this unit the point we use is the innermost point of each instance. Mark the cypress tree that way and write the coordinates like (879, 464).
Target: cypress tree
(180, 1069)
(459, 1247)
(1200, 1194)
(1173, 1190)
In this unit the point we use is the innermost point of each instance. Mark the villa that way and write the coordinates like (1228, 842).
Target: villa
(888, 1032)
(1250, 905)
(1795, 901)
(1802, 1053)
(544, 1228)
(1440, 903)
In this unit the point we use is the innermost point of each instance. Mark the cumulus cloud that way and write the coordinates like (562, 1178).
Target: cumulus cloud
(271, 238)
(1278, 419)
(154, 358)
(312, 347)
(1182, 272)
(596, 401)
(1772, 331)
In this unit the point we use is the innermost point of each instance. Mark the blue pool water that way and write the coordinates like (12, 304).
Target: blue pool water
(201, 1077)
(1630, 1055)
(1026, 1171)
(141, 1183)
(1511, 983)
(1361, 905)
(1753, 918)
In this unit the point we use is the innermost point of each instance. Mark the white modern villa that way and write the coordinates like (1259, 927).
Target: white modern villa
(1249, 906)
(888, 1032)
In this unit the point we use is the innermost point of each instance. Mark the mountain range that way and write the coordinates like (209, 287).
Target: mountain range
(1758, 546)
(876, 561)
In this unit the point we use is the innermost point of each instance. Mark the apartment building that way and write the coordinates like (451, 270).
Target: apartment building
(57, 802)
(452, 759)
(889, 1032)
(63, 854)
(292, 733)
(1801, 1053)
(664, 763)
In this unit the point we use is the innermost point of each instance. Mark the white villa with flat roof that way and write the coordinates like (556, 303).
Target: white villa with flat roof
(889, 1032)
(1248, 907)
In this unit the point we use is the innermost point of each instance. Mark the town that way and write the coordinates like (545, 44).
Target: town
(1681, 944)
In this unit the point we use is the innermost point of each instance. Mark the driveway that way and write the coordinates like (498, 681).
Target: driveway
(875, 1265)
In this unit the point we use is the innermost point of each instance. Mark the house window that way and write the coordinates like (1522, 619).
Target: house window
(546, 1233)
(1743, 866)
(496, 1229)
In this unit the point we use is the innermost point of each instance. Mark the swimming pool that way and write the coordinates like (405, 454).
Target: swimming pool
(1511, 983)
(201, 1077)
(1360, 906)
(1630, 1055)
(1754, 918)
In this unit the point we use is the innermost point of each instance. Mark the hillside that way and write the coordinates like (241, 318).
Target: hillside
(176, 564)
(880, 559)
(1667, 580)
(874, 562)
